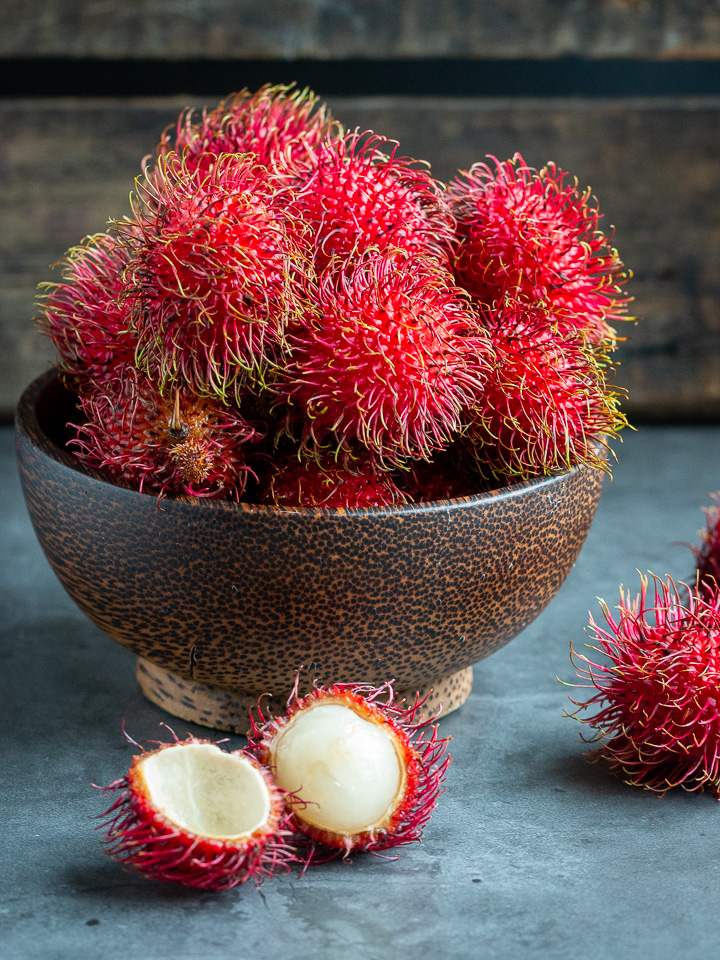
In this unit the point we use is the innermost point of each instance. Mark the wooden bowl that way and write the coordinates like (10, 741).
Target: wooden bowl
(226, 601)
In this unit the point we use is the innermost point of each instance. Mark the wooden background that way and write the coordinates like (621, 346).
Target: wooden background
(67, 163)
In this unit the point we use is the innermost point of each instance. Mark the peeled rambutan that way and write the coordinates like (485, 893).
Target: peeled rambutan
(546, 405)
(163, 443)
(707, 555)
(533, 235)
(357, 197)
(215, 262)
(388, 355)
(280, 125)
(301, 481)
(362, 773)
(87, 314)
(194, 814)
(658, 688)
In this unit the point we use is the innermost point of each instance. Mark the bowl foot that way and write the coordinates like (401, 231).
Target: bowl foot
(229, 709)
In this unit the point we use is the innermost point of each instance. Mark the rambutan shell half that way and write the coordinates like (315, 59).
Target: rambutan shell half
(194, 814)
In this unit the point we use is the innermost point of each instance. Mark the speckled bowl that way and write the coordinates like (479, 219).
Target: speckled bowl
(225, 601)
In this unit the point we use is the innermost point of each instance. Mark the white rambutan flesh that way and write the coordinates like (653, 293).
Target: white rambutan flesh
(197, 815)
(207, 791)
(345, 768)
(362, 773)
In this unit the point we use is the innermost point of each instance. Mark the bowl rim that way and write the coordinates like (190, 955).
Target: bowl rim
(28, 426)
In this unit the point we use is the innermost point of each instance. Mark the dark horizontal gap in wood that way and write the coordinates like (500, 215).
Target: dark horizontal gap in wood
(563, 77)
(698, 413)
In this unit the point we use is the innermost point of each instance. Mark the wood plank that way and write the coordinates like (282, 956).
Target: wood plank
(359, 28)
(67, 166)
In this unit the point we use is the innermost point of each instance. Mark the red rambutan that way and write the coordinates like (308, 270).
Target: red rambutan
(447, 476)
(356, 197)
(658, 689)
(160, 445)
(304, 482)
(532, 235)
(278, 124)
(213, 273)
(546, 405)
(194, 814)
(389, 355)
(361, 772)
(87, 315)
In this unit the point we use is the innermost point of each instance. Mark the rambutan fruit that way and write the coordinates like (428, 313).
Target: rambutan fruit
(87, 314)
(658, 688)
(302, 481)
(215, 262)
(194, 814)
(447, 476)
(362, 773)
(546, 405)
(533, 235)
(160, 443)
(357, 197)
(280, 125)
(388, 355)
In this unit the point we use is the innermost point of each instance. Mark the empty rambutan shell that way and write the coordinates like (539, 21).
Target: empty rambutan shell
(362, 773)
(656, 688)
(533, 234)
(194, 814)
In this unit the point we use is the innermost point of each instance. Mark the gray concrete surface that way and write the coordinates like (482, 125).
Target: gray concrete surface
(532, 852)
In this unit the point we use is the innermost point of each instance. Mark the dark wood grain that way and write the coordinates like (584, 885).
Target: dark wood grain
(67, 166)
(360, 28)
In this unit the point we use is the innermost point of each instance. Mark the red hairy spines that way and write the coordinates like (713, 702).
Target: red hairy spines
(87, 313)
(657, 688)
(297, 481)
(388, 355)
(531, 234)
(447, 476)
(280, 125)
(424, 756)
(356, 197)
(213, 275)
(163, 444)
(140, 836)
(546, 405)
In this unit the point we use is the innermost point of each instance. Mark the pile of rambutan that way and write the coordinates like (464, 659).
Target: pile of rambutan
(297, 314)
(656, 685)
(347, 768)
